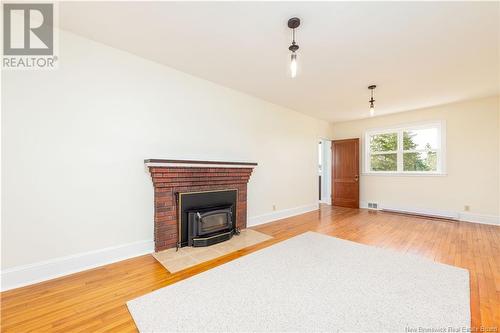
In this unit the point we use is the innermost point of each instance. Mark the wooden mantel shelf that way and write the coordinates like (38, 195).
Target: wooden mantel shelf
(197, 164)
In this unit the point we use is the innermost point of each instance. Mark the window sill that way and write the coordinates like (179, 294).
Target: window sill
(406, 174)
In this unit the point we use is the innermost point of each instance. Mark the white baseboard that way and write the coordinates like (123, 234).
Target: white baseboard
(460, 216)
(423, 211)
(479, 218)
(281, 214)
(28, 274)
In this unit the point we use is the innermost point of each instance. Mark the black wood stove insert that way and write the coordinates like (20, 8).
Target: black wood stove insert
(206, 218)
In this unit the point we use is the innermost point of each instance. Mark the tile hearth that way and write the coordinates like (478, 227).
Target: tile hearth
(186, 257)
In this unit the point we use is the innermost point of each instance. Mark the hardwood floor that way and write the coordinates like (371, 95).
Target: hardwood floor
(94, 300)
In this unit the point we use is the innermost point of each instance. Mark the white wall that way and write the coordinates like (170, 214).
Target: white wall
(74, 141)
(472, 162)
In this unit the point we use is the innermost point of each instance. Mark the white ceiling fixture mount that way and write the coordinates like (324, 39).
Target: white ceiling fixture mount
(372, 101)
(293, 23)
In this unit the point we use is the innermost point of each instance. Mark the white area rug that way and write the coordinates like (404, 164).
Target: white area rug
(312, 283)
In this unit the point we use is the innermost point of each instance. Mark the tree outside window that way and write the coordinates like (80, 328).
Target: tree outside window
(406, 150)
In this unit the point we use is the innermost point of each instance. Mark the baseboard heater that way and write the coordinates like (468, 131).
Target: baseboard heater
(441, 216)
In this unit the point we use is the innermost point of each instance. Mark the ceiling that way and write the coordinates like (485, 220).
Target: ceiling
(419, 54)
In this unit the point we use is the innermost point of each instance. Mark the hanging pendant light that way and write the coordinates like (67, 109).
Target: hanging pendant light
(293, 23)
(372, 101)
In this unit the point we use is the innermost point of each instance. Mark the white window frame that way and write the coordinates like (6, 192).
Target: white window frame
(399, 129)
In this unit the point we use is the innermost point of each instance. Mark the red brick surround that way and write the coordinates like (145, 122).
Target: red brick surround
(171, 179)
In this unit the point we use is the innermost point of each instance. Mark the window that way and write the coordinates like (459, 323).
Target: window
(413, 149)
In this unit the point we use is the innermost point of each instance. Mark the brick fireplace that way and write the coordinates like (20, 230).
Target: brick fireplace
(172, 177)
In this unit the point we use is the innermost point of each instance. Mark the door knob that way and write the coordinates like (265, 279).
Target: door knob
(356, 178)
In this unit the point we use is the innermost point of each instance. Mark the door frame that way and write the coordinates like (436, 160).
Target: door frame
(326, 172)
(357, 140)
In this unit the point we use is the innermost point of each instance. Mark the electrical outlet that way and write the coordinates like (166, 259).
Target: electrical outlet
(466, 208)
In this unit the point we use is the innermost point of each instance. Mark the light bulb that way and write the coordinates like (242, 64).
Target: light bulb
(293, 65)
(372, 111)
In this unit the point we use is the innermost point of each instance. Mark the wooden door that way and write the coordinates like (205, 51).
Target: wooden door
(345, 173)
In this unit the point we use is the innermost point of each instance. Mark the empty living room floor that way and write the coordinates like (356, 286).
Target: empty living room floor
(94, 300)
